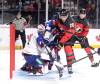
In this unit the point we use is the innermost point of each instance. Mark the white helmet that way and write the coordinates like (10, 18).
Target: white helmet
(41, 27)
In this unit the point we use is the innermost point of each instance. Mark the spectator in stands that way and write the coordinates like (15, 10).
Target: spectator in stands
(35, 5)
(42, 11)
(83, 3)
(55, 3)
(91, 12)
(32, 6)
(43, 5)
(20, 24)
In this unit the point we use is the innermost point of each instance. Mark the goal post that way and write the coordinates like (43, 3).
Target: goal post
(12, 50)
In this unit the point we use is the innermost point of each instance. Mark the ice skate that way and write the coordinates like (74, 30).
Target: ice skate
(95, 64)
(70, 70)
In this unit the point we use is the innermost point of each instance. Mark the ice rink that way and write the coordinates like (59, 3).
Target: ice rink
(83, 72)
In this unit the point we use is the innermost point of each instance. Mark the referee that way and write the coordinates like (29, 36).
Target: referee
(20, 24)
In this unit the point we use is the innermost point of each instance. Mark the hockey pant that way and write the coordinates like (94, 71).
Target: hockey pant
(33, 60)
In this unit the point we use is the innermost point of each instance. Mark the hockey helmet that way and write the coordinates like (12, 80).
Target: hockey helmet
(64, 12)
(82, 11)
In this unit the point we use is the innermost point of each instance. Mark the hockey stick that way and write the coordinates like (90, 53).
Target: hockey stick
(58, 65)
(53, 59)
(49, 53)
(82, 59)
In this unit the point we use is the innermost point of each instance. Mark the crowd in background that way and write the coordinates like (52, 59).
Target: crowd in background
(31, 7)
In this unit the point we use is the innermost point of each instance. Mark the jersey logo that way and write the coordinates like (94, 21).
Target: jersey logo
(98, 38)
(29, 37)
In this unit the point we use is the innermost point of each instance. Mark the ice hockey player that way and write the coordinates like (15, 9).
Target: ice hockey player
(64, 25)
(52, 36)
(82, 29)
(43, 49)
(31, 53)
(51, 39)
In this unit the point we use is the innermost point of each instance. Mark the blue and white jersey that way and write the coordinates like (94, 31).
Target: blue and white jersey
(41, 47)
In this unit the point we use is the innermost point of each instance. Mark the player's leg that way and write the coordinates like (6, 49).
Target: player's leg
(99, 51)
(38, 64)
(85, 45)
(16, 34)
(35, 62)
(23, 38)
(26, 67)
(70, 57)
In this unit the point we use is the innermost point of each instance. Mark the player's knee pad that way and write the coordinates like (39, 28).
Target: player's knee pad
(33, 60)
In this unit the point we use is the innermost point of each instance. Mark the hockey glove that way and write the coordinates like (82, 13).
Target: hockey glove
(40, 42)
(60, 45)
(82, 38)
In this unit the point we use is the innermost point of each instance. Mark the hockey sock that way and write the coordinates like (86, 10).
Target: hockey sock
(88, 51)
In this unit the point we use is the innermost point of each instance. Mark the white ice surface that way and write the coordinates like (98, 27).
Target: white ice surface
(83, 73)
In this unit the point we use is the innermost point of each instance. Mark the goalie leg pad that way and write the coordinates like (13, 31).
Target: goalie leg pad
(33, 60)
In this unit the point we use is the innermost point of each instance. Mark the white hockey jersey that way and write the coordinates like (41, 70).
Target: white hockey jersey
(31, 46)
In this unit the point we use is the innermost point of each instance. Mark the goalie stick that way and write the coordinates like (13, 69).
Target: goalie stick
(83, 58)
